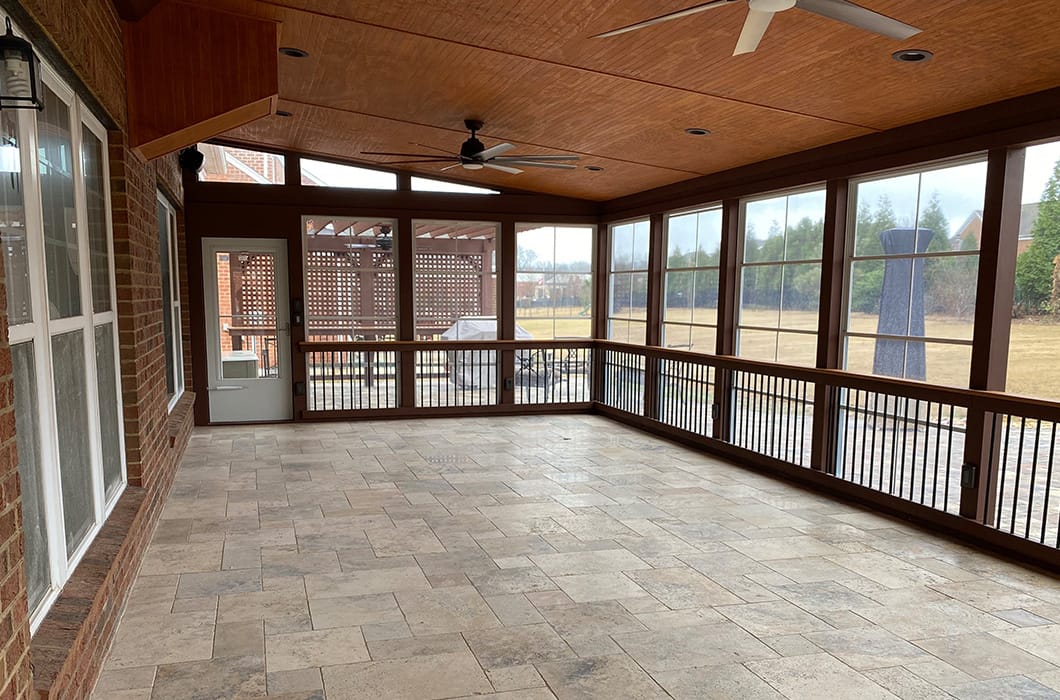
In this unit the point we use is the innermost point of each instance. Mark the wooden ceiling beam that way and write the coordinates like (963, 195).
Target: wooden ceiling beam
(194, 72)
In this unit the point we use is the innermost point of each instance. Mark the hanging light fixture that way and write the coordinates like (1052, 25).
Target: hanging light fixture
(20, 77)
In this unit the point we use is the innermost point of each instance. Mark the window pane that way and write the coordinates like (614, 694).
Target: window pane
(75, 455)
(641, 245)
(1032, 366)
(455, 280)
(883, 204)
(351, 287)
(757, 345)
(229, 164)
(801, 301)
(34, 525)
(324, 174)
(13, 222)
(109, 431)
(760, 295)
(797, 349)
(677, 336)
(764, 222)
(709, 239)
(96, 201)
(638, 305)
(55, 153)
(622, 241)
(679, 296)
(536, 249)
(681, 240)
(705, 299)
(423, 184)
(165, 264)
(621, 295)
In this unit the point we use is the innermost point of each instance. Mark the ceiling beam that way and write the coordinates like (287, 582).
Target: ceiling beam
(194, 72)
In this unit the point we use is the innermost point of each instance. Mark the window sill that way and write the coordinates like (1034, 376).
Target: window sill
(180, 417)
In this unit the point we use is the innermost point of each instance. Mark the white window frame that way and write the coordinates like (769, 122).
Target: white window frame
(41, 330)
(176, 372)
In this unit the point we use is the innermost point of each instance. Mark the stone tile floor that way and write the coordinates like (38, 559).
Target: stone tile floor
(540, 557)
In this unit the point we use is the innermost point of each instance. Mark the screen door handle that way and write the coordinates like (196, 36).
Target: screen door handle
(225, 388)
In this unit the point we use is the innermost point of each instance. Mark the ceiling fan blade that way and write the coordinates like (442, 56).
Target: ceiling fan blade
(860, 17)
(503, 168)
(406, 155)
(696, 9)
(505, 159)
(538, 164)
(450, 167)
(494, 151)
(754, 28)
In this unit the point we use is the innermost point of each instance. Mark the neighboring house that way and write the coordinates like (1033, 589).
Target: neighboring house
(227, 164)
(973, 226)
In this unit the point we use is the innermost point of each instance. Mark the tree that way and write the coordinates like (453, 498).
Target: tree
(867, 281)
(1034, 268)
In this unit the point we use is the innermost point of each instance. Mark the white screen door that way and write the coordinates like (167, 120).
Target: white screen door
(247, 329)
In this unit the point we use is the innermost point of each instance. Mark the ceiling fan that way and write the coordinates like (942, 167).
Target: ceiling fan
(760, 13)
(382, 239)
(474, 155)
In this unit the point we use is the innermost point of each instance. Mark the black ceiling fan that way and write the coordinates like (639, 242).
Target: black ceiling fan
(760, 13)
(474, 155)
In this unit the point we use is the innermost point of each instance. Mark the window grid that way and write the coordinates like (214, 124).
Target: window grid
(691, 280)
(627, 318)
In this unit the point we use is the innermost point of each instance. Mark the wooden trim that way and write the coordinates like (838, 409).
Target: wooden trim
(993, 318)
(405, 249)
(953, 526)
(654, 312)
(506, 282)
(400, 345)
(830, 318)
(728, 293)
(308, 199)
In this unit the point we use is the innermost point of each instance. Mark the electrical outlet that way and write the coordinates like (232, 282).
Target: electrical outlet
(509, 384)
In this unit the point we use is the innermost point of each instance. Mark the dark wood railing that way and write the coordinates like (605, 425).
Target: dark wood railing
(904, 444)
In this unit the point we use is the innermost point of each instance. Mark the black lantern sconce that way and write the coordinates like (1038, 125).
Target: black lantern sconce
(20, 77)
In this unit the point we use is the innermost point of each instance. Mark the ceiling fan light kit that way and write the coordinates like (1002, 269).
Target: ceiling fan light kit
(474, 155)
(760, 14)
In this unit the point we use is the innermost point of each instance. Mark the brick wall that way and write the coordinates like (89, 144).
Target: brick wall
(64, 656)
(14, 618)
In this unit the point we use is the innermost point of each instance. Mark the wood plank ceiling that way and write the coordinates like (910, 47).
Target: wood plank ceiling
(382, 75)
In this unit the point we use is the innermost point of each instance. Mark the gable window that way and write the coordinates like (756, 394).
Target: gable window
(231, 164)
(167, 256)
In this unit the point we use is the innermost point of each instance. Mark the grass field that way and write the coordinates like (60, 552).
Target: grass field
(1034, 356)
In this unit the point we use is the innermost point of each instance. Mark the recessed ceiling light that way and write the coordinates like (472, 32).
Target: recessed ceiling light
(283, 113)
(293, 52)
(912, 55)
(696, 131)
(594, 168)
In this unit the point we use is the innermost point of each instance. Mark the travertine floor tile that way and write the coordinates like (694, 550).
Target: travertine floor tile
(406, 558)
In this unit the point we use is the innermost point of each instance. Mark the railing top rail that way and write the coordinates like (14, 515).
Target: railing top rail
(406, 345)
(987, 401)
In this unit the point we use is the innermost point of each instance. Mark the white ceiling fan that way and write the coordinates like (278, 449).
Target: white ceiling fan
(474, 155)
(760, 13)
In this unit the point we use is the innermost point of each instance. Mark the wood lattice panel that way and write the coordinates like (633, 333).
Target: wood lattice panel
(255, 275)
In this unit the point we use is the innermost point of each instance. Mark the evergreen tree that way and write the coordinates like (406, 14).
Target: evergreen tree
(1034, 269)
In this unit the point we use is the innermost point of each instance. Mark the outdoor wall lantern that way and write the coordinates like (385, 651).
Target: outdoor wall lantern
(20, 78)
